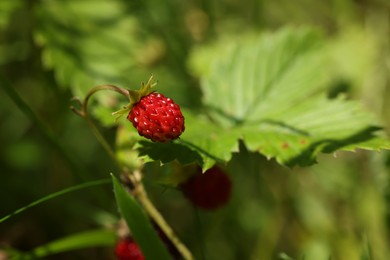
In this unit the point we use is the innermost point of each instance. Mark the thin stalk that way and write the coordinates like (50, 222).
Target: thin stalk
(84, 113)
(134, 177)
(84, 105)
(121, 91)
(100, 138)
(56, 194)
(143, 198)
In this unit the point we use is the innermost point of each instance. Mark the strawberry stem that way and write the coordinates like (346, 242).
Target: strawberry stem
(134, 176)
(84, 113)
(84, 105)
(141, 194)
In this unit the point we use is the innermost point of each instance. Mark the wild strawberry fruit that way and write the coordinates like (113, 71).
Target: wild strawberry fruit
(157, 118)
(127, 249)
(209, 190)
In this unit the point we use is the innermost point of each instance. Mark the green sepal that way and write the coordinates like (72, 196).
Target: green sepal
(146, 89)
(135, 97)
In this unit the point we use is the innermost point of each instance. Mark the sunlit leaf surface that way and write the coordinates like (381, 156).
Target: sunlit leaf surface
(271, 92)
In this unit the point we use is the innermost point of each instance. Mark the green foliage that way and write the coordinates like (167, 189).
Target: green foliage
(139, 224)
(87, 47)
(78, 241)
(6, 10)
(271, 92)
(202, 142)
(250, 91)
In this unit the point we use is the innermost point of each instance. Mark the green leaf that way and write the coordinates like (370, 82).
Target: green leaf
(86, 239)
(375, 143)
(264, 77)
(167, 152)
(139, 224)
(202, 142)
(271, 92)
(88, 43)
(212, 142)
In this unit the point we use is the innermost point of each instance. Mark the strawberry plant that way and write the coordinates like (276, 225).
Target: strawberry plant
(227, 157)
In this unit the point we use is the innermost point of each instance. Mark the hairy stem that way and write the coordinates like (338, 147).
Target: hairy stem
(84, 105)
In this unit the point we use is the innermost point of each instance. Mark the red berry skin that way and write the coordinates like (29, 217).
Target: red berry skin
(127, 249)
(157, 118)
(209, 190)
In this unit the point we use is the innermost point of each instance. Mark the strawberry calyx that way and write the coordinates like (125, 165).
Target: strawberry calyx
(146, 89)
(135, 96)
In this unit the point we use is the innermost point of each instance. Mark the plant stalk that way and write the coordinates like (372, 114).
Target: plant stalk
(135, 177)
(141, 194)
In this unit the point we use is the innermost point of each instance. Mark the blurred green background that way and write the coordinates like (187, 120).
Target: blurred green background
(53, 50)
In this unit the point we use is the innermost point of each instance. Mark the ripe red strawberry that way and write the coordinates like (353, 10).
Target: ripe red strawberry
(157, 118)
(209, 190)
(127, 249)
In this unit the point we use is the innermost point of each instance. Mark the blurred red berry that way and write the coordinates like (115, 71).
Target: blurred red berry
(209, 190)
(127, 249)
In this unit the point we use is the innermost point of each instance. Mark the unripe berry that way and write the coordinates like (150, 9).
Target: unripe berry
(209, 190)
